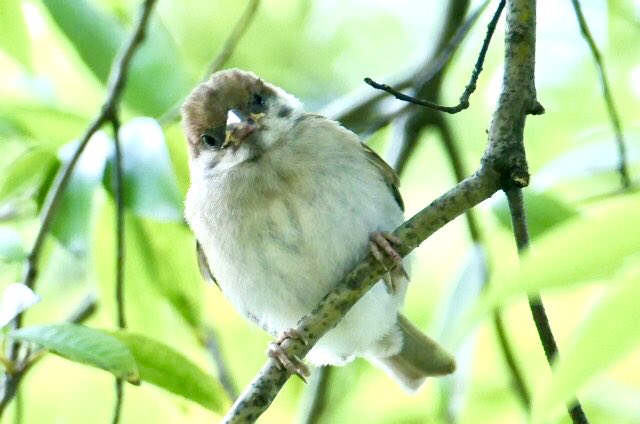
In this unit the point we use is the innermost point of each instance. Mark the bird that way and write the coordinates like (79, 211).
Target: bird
(283, 204)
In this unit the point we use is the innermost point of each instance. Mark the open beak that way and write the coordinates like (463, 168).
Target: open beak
(239, 126)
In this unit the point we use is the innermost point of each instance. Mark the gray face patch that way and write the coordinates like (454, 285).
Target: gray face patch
(284, 112)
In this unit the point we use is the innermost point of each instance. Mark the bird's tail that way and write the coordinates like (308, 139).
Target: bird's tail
(419, 358)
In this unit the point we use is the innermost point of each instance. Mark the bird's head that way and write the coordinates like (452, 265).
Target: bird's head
(234, 118)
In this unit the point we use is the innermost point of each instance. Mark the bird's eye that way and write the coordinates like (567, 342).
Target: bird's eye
(211, 141)
(257, 100)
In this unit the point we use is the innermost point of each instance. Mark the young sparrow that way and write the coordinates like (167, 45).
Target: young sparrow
(283, 204)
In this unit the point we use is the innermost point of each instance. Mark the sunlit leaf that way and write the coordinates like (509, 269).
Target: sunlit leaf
(26, 172)
(16, 298)
(14, 37)
(156, 80)
(609, 332)
(559, 258)
(46, 124)
(155, 242)
(84, 345)
(164, 367)
(11, 246)
(72, 224)
(150, 187)
(543, 212)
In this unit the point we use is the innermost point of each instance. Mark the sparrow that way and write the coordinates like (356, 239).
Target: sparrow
(283, 204)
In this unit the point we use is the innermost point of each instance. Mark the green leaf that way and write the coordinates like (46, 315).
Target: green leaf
(150, 187)
(585, 248)
(44, 123)
(11, 246)
(156, 80)
(84, 345)
(14, 36)
(164, 367)
(609, 332)
(72, 223)
(154, 251)
(543, 212)
(26, 172)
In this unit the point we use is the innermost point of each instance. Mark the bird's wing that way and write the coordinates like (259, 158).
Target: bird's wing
(203, 265)
(387, 172)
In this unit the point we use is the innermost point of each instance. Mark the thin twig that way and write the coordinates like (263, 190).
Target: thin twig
(469, 89)
(117, 408)
(317, 395)
(222, 57)
(455, 157)
(120, 234)
(213, 346)
(521, 234)
(119, 197)
(608, 97)
(361, 113)
(117, 79)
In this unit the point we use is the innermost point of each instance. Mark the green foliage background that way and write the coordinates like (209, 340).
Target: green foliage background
(55, 57)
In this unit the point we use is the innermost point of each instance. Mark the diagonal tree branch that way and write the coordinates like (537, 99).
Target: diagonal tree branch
(606, 91)
(503, 165)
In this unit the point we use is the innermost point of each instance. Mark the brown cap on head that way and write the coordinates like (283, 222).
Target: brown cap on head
(207, 105)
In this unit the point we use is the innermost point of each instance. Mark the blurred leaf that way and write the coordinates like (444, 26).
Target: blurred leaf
(26, 172)
(72, 223)
(156, 80)
(14, 36)
(164, 367)
(559, 258)
(455, 388)
(150, 187)
(84, 345)
(608, 333)
(543, 212)
(584, 161)
(11, 246)
(186, 298)
(16, 298)
(46, 124)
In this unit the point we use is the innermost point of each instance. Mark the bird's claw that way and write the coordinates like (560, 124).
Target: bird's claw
(383, 242)
(293, 364)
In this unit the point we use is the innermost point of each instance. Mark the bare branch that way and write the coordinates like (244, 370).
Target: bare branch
(521, 235)
(608, 97)
(503, 165)
(469, 89)
(222, 57)
(259, 395)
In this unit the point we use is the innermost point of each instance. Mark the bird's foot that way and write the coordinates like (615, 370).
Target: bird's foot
(293, 364)
(380, 244)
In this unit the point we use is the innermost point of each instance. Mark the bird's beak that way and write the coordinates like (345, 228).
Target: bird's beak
(240, 126)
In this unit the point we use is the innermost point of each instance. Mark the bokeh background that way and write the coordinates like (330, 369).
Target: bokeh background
(54, 60)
